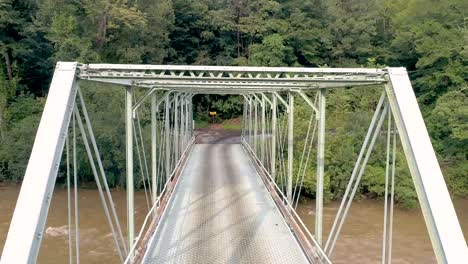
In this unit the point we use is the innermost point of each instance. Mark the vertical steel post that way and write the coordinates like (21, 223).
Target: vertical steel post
(129, 148)
(154, 131)
(250, 122)
(243, 117)
(247, 121)
(70, 242)
(75, 186)
(187, 113)
(262, 145)
(168, 138)
(320, 168)
(255, 125)
(186, 119)
(273, 137)
(192, 122)
(290, 147)
(176, 127)
(182, 123)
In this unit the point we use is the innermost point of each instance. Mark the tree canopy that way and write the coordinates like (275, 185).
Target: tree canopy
(428, 37)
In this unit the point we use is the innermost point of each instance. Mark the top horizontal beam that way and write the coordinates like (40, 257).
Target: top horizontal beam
(91, 67)
(255, 79)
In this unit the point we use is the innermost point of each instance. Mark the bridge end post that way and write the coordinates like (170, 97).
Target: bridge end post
(437, 207)
(30, 215)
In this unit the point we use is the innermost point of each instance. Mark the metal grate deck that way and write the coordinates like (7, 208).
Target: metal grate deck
(221, 212)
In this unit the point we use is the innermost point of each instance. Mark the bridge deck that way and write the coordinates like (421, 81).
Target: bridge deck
(221, 212)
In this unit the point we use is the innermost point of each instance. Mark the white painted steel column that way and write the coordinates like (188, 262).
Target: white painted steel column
(129, 158)
(182, 123)
(320, 167)
(168, 138)
(262, 146)
(154, 131)
(437, 207)
(290, 147)
(192, 123)
(247, 119)
(176, 127)
(243, 117)
(250, 122)
(27, 225)
(187, 113)
(273, 137)
(255, 125)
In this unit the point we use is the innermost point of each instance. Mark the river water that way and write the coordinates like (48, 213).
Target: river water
(360, 240)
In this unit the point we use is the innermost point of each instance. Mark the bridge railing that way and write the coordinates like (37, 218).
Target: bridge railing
(311, 248)
(157, 210)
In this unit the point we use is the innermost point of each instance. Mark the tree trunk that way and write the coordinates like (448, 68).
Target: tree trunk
(8, 64)
(238, 29)
(238, 42)
(6, 54)
(101, 38)
(1, 123)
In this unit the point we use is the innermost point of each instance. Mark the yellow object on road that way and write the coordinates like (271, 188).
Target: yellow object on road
(212, 113)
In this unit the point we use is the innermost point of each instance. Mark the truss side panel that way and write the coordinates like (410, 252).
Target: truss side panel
(441, 220)
(27, 225)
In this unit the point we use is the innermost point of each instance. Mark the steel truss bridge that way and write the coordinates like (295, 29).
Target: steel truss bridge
(226, 203)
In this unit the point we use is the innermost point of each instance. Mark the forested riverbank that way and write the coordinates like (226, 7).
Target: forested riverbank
(427, 37)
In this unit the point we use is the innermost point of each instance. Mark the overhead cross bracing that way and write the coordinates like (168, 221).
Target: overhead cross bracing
(269, 104)
(230, 80)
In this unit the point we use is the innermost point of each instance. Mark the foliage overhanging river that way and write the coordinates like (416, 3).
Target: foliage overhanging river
(360, 241)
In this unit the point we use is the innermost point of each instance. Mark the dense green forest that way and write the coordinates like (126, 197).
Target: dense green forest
(428, 37)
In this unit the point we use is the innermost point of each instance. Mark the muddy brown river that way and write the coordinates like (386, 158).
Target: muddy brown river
(360, 241)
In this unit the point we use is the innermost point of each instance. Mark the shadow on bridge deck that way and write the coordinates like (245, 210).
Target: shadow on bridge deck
(214, 134)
